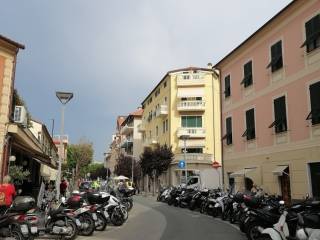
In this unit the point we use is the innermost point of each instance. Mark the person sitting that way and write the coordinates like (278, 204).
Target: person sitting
(7, 193)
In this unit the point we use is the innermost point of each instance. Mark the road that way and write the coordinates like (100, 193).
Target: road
(151, 220)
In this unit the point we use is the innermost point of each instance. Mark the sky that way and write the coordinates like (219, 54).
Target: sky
(111, 53)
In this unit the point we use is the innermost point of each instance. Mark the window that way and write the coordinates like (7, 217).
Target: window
(198, 98)
(280, 116)
(247, 73)
(312, 27)
(191, 121)
(250, 132)
(227, 89)
(314, 114)
(157, 130)
(192, 150)
(167, 125)
(276, 57)
(165, 84)
(228, 135)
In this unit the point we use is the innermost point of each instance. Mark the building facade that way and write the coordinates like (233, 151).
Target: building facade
(185, 105)
(271, 105)
(8, 59)
(131, 143)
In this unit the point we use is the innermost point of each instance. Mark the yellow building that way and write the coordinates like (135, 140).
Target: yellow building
(186, 102)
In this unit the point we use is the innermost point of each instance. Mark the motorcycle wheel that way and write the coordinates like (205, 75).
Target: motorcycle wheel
(74, 230)
(224, 215)
(91, 225)
(16, 235)
(116, 218)
(130, 205)
(252, 231)
(170, 202)
(103, 223)
(215, 212)
(203, 208)
(125, 213)
(232, 218)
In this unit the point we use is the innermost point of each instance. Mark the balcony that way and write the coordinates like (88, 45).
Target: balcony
(194, 158)
(126, 143)
(162, 111)
(197, 105)
(190, 80)
(192, 132)
(126, 129)
(141, 128)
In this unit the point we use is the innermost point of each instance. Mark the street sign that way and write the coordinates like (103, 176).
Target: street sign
(182, 164)
(216, 165)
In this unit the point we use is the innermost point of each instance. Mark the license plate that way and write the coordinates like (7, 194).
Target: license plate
(106, 214)
(34, 230)
(24, 229)
(78, 222)
(94, 216)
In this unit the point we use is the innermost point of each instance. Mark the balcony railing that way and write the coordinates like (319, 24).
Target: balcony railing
(162, 111)
(141, 127)
(192, 132)
(126, 129)
(194, 158)
(126, 143)
(197, 105)
(190, 80)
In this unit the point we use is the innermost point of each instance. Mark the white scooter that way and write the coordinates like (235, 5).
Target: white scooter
(280, 230)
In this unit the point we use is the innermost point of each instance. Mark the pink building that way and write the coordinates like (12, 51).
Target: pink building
(271, 105)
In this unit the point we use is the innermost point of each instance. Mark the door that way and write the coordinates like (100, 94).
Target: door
(315, 179)
(285, 186)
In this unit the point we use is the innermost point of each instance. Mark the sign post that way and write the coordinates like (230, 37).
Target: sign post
(181, 165)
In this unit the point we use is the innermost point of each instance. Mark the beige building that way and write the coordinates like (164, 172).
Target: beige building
(8, 60)
(185, 103)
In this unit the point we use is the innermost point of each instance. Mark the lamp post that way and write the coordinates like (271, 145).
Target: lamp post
(184, 138)
(64, 98)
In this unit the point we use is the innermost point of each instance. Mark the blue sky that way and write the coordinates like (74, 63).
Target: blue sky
(112, 53)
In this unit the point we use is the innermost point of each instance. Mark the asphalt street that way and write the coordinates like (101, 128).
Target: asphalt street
(151, 220)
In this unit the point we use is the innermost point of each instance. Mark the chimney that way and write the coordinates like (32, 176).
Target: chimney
(209, 65)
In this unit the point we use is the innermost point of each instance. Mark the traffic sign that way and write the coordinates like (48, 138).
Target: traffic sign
(182, 164)
(216, 165)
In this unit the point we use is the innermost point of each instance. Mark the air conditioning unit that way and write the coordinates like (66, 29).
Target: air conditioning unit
(20, 115)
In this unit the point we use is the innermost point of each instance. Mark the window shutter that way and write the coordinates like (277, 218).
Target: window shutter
(315, 96)
(250, 119)
(199, 121)
(280, 108)
(227, 86)
(184, 121)
(229, 125)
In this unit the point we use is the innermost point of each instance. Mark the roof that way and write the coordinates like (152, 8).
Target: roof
(136, 113)
(16, 44)
(274, 18)
(173, 71)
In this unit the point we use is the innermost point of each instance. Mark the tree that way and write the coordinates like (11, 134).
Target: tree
(96, 170)
(124, 167)
(156, 160)
(79, 156)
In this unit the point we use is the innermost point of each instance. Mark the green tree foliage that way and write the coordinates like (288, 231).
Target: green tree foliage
(17, 174)
(124, 167)
(96, 170)
(158, 160)
(79, 156)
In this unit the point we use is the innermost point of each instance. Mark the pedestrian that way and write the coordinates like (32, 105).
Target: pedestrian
(7, 193)
(63, 187)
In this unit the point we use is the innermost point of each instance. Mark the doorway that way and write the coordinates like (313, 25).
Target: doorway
(284, 180)
(315, 179)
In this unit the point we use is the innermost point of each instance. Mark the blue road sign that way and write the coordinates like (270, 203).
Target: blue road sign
(182, 164)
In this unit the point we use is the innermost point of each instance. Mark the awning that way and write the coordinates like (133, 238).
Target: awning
(242, 172)
(190, 92)
(279, 170)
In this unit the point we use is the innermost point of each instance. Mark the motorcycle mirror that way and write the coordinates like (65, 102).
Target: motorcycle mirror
(63, 199)
(281, 202)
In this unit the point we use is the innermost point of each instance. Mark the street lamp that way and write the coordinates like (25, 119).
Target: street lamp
(64, 98)
(184, 138)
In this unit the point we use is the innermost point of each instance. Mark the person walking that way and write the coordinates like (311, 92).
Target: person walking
(63, 187)
(7, 193)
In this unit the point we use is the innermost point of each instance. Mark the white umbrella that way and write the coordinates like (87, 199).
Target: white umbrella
(121, 178)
